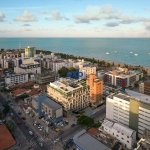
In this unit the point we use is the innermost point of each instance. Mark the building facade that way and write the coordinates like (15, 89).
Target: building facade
(132, 110)
(30, 51)
(71, 94)
(122, 77)
(96, 88)
(122, 133)
(47, 107)
(16, 78)
(45, 77)
(86, 71)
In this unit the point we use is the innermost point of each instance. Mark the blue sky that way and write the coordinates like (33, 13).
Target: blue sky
(75, 18)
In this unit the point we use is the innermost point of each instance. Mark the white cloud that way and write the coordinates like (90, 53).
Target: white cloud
(55, 15)
(2, 16)
(108, 13)
(26, 17)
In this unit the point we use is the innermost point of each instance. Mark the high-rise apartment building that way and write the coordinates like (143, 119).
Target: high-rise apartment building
(145, 87)
(30, 51)
(132, 110)
(87, 71)
(96, 88)
(70, 93)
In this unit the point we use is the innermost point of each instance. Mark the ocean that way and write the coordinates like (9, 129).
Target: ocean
(135, 51)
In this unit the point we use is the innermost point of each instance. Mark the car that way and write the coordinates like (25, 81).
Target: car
(19, 113)
(19, 123)
(41, 117)
(41, 144)
(1, 122)
(30, 132)
(40, 129)
(73, 125)
(11, 114)
(56, 140)
(23, 118)
(57, 129)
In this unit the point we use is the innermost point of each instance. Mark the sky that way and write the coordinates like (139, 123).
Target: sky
(75, 18)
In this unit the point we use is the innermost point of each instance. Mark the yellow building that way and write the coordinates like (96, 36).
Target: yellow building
(96, 88)
(30, 51)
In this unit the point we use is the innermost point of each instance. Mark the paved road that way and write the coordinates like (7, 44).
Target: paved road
(72, 130)
(34, 142)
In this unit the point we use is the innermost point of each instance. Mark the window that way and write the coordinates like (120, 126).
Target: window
(128, 141)
(122, 138)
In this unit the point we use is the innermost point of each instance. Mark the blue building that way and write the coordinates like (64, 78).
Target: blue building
(47, 107)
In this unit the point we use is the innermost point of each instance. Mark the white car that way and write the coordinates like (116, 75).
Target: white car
(56, 140)
(30, 132)
(41, 129)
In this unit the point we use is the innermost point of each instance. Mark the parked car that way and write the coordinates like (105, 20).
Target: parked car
(73, 125)
(11, 114)
(41, 117)
(19, 113)
(30, 132)
(19, 123)
(23, 118)
(41, 144)
(57, 129)
(56, 140)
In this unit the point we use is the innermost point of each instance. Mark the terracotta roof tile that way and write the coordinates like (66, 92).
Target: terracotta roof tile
(6, 139)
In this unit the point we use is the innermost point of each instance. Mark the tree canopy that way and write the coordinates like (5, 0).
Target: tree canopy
(10, 125)
(85, 120)
(63, 72)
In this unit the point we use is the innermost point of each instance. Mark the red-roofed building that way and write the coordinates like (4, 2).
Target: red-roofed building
(6, 139)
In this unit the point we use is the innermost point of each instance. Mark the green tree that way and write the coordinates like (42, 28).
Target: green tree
(1, 115)
(10, 125)
(6, 108)
(72, 69)
(97, 124)
(136, 84)
(63, 72)
(85, 120)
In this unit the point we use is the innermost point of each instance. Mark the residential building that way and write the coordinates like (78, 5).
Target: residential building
(144, 87)
(47, 107)
(84, 141)
(132, 110)
(122, 133)
(47, 63)
(96, 88)
(7, 141)
(147, 87)
(16, 78)
(70, 93)
(122, 77)
(141, 88)
(86, 71)
(45, 77)
(78, 62)
(58, 64)
(27, 65)
(144, 142)
(30, 51)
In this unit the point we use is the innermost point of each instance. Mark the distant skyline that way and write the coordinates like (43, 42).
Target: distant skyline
(75, 18)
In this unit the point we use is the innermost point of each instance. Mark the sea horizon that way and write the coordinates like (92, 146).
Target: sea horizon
(109, 49)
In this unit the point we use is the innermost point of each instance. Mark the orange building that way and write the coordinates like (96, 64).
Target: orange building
(96, 88)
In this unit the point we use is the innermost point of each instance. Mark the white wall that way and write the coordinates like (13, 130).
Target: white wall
(109, 108)
(59, 112)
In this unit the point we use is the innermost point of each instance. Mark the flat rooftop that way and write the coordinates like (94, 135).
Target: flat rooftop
(118, 127)
(123, 96)
(139, 96)
(49, 102)
(66, 85)
(87, 142)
